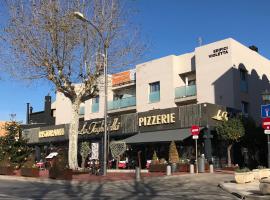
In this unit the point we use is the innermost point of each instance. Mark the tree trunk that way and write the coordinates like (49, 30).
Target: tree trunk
(229, 155)
(73, 136)
(83, 162)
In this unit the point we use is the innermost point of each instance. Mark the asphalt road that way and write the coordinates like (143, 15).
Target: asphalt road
(202, 186)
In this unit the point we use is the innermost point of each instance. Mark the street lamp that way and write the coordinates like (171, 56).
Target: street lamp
(266, 99)
(81, 17)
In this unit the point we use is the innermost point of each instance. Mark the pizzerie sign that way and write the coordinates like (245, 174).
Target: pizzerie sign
(157, 119)
(96, 127)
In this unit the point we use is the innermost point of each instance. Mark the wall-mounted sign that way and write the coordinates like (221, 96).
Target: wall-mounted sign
(51, 133)
(96, 127)
(219, 52)
(265, 111)
(221, 116)
(160, 119)
(123, 77)
(157, 119)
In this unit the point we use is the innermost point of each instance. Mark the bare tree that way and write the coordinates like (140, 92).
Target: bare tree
(50, 43)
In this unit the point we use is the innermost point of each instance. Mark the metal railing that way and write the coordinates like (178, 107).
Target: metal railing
(95, 107)
(122, 103)
(185, 91)
(154, 97)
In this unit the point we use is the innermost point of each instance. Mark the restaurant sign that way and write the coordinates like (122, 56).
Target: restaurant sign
(51, 133)
(97, 127)
(161, 119)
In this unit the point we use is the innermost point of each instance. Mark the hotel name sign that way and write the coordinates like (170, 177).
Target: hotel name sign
(96, 127)
(157, 119)
(219, 52)
(51, 133)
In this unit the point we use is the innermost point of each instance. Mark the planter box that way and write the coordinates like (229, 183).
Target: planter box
(265, 186)
(264, 173)
(65, 174)
(163, 167)
(157, 167)
(183, 167)
(243, 177)
(30, 172)
(256, 174)
(6, 170)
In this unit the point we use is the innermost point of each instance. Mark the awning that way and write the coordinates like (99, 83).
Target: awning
(159, 136)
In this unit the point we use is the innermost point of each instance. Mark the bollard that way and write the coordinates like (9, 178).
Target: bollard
(211, 167)
(169, 170)
(138, 173)
(191, 169)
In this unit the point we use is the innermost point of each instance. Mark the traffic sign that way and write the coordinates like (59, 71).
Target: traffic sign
(265, 111)
(266, 123)
(267, 132)
(195, 130)
(195, 137)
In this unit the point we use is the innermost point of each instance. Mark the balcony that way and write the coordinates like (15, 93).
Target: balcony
(154, 97)
(95, 107)
(185, 93)
(124, 104)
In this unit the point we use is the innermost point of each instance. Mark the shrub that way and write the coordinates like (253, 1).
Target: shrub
(245, 169)
(173, 153)
(30, 163)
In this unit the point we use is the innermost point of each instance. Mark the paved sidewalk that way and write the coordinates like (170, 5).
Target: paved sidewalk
(86, 178)
(247, 191)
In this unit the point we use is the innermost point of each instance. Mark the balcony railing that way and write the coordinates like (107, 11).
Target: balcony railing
(95, 107)
(122, 103)
(185, 91)
(154, 97)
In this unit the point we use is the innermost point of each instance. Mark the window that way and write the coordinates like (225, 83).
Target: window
(244, 107)
(154, 95)
(95, 104)
(191, 82)
(243, 81)
(243, 75)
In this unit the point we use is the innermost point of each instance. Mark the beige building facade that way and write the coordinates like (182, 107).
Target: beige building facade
(225, 73)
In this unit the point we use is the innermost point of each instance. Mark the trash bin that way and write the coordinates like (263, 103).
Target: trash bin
(201, 165)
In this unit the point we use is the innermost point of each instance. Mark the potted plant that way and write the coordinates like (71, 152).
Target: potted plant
(173, 156)
(5, 166)
(59, 168)
(29, 168)
(243, 175)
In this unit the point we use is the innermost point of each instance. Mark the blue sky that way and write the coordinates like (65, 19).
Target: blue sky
(172, 27)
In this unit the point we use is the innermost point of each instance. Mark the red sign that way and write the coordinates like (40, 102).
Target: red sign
(266, 123)
(195, 130)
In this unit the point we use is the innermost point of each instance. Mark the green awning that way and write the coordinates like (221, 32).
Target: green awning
(159, 136)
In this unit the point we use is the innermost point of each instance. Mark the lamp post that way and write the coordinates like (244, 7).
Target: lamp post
(81, 17)
(266, 99)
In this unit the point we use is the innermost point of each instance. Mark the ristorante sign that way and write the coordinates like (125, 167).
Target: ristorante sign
(97, 127)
